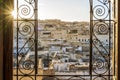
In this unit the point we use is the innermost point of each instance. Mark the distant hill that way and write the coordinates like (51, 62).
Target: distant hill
(57, 21)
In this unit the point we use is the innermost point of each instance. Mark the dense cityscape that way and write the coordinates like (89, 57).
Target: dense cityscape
(63, 48)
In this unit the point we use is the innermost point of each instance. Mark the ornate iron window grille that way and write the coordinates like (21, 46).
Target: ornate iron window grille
(27, 25)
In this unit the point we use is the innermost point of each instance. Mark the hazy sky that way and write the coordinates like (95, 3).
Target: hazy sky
(67, 10)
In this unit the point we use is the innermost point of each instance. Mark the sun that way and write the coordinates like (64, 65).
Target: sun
(14, 14)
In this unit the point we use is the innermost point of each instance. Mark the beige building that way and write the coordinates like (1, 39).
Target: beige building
(59, 34)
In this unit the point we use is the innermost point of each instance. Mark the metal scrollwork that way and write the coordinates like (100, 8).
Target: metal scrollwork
(76, 78)
(26, 78)
(51, 78)
(26, 11)
(100, 55)
(100, 12)
(101, 28)
(103, 1)
(26, 67)
(100, 78)
(30, 1)
(100, 66)
(26, 28)
(26, 31)
(101, 39)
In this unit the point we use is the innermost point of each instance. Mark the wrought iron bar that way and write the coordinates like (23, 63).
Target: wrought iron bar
(109, 37)
(114, 5)
(62, 75)
(91, 36)
(36, 37)
(17, 42)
